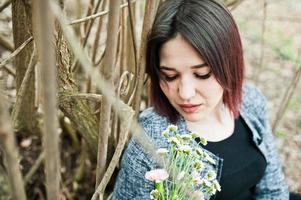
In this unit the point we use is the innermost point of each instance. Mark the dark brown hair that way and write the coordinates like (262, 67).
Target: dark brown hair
(210, 28)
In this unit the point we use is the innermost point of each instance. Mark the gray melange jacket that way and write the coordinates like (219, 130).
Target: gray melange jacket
(131, 184)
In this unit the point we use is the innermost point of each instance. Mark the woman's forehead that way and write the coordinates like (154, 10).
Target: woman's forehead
(179, 52)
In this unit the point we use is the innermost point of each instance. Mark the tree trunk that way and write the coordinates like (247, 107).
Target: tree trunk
(22, 30)
(75, 109)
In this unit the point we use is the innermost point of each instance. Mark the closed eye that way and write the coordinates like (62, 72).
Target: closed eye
(205, 76)
(169, 78)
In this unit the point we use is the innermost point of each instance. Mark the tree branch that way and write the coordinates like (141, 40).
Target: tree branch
(6, 44)
(16, 52)
(287, 96)
(45, 27)
(7, 139)
(100, 82)
(34, 168)
(85, 96)
(94, 16)
(150, 11)
(9, 70)
(5, 5)
(125, 127)
(108, 71)
(23, 88)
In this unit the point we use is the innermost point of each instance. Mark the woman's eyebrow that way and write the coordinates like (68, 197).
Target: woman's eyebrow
(192, 67)
(199, 66)
(167, 68)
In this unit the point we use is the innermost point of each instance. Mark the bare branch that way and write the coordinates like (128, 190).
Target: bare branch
(77, 21)
(7, 139)
(16, 52)
(108, 71)
(34, 168)
(91, 97)
(287, 96)
(150, 11)
(133, 33)
(100, 82)
(24, 86)
(5, 5)
(100, 14)
(45, 25)
(99, 30)
(6, 44)
(262, 43)
(125, 127)
(89, 24)
(235, 5)
(9, 70)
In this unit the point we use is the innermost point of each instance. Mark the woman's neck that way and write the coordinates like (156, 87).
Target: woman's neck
(216, 127)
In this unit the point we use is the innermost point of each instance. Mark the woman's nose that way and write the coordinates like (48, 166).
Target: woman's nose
(186, 89)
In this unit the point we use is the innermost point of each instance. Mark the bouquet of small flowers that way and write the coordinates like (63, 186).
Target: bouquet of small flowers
(183, 176)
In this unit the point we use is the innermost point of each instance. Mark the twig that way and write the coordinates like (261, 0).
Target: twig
(80, 169)
(16, 52)
(7, 140)
(5, 5)
(262, 43)
(45, 23)
(125, 127)
(90, 23)
(9, 70)
(89, 11)
(108, 71)
(34, 168)
(6, 44)
(125, 79)
(101, 57)
(68, 129)
(133, 32)
(100, 82)
(150, 11)
(24, 86)
(235, 5)
(91, 97)
(77, 21)
(287, 96)
(97, 37)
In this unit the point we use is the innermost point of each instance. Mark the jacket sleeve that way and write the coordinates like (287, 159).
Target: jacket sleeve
(272, 186)
(130, 183)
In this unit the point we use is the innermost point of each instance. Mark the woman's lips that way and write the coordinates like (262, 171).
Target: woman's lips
(189, 108)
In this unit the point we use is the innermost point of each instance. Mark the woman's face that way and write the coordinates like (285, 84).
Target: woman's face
(188, 82)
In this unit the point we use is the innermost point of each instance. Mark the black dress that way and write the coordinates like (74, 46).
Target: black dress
(243, 164)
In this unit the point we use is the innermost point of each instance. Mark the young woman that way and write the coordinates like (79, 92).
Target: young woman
(195, 63)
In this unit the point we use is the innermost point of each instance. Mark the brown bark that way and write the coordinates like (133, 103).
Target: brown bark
(77, 110)
(22, 30)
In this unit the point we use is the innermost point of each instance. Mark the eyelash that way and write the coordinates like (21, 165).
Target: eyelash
(172, 78)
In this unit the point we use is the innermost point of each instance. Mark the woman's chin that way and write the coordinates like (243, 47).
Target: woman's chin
(193, 117)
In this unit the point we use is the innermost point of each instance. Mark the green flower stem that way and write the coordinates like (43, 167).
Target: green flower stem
(159, 186)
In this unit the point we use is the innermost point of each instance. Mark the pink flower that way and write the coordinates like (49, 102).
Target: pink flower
(156, 175)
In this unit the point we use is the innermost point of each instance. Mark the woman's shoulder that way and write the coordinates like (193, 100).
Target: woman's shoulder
(253, 100)
(149, 118)
(153, 124)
